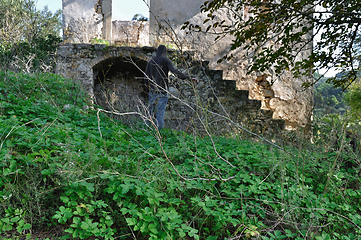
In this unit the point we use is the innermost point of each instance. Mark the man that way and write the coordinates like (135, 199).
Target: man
(157, 81)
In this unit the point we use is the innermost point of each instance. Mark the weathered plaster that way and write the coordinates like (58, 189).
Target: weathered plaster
(84, 20)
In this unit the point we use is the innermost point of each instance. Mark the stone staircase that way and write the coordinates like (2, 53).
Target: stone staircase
(218, 104)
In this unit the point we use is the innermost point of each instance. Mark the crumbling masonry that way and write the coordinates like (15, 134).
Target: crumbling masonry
(285, 100)
(114, 76)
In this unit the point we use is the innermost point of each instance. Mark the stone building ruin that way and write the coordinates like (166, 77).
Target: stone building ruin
(88, 21)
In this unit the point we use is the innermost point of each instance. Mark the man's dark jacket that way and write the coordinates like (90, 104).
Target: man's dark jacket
(157, 71)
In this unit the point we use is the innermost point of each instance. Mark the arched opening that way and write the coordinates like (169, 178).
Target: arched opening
(119, 86)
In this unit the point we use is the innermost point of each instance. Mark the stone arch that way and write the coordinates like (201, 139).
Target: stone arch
(118, 84)
(103, 52)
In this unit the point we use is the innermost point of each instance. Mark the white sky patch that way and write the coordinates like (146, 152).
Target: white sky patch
(329, 72)
(122, 9)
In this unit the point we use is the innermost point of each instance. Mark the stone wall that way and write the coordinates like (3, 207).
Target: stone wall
(114, 78)
(130, 33)
(84, 20)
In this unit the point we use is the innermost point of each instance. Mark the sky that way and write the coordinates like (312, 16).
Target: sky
(122, 9)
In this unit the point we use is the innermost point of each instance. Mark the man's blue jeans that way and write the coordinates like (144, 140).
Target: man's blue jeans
(158, 103)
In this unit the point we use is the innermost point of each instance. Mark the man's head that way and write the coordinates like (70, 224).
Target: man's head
(162, 50)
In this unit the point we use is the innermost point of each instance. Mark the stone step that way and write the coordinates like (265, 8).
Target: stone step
(215, 75)
(226, 85)
(241, 95)
(250, 104)
(279, 123)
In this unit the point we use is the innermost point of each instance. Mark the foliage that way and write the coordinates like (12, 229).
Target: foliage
(37, 55)
(337, 113)
(64, 166)
(327, 98)
(99, 41)
(28, 37)
(353, 98)
(139, 17)
(276, 33)
(21, 21)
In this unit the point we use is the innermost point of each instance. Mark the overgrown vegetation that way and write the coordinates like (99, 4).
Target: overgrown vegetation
(337, 112)
(28, 37)
(69, 171)
(327, 98)
(75, 173)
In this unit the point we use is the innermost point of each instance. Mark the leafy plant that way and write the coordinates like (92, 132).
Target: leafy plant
(99, 41)
(14, 219)
(82, 215)
(69, 167)
(353, 98)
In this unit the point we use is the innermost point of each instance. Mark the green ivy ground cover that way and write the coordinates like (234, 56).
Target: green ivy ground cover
(77, 175)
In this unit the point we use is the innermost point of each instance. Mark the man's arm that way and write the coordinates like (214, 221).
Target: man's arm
(179, 73)
(176, 71)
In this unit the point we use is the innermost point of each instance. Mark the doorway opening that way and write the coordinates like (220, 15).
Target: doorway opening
(119, 87)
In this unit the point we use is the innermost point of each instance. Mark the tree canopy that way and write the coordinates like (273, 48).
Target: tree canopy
(279, 31)
(21, 21)
(139, 17)
(28, 37)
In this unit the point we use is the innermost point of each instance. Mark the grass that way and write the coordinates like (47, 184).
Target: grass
(77, 175)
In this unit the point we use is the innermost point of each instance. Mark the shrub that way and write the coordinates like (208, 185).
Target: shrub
(65, 166)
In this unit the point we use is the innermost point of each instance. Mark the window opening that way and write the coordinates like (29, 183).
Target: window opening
(126, 10)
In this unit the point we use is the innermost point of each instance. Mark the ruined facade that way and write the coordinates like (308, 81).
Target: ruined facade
(114, 76)
(285, 97)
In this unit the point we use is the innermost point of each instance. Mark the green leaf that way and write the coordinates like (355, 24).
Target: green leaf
(89, 186)
(76, 220)
(27, 226)
(324, 236)
(15, 219)
(181, 233)
(131, 221)
(125, 187)
(65, 236)
(64, 199)
(153, 228)
(46, 172)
